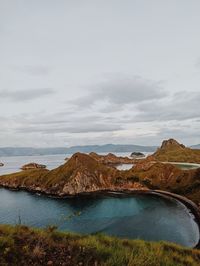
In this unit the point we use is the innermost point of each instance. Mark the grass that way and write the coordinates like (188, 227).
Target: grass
(177, 154)
(21, 245)
(82, 173)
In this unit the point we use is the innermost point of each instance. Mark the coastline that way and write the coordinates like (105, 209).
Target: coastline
(192, 207)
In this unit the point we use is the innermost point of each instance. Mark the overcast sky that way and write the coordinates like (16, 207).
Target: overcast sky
(78, 72)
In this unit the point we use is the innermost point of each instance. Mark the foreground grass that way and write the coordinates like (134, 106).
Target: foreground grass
(21, 245)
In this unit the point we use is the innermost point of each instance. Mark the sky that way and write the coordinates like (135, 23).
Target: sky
(81, 72)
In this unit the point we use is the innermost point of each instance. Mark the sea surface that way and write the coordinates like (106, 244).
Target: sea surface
(146, 217)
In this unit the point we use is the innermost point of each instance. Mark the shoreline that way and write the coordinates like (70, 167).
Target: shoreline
(190, 205)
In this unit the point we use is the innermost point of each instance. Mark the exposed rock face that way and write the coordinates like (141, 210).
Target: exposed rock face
(111, 159)
(30, 166)
(82, 173)
(171, 144)
(1, 164)
(172, 151)
(137, 155)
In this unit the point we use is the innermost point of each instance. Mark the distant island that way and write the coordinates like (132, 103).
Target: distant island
(195, 146)
(28, 151)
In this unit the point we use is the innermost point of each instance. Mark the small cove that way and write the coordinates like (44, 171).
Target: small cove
(147, 217)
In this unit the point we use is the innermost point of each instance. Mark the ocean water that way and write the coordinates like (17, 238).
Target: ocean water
(146, 217)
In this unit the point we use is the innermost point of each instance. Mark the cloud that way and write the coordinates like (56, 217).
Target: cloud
(121, 90)
(181, 106)
(25, 94)
(98, 127)
(197, 63)
(66, 124)
(36, 70)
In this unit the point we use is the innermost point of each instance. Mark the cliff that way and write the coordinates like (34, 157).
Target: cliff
(172, 151)
(82, 173)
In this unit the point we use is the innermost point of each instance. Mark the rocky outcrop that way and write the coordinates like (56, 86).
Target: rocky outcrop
(137, 155)
(82, 173)
(31, 166)
(111, 159)
(1, 164)
(172, 151)
(171, 144)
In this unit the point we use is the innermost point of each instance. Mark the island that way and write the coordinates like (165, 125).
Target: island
(31, 166)
(90, 173)
(137, 155)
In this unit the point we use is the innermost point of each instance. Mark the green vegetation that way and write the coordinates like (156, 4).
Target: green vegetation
(82, 173)
(172, 151)
(22, 246)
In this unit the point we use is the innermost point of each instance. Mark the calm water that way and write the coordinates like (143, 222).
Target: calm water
(187, 166)
(141, 216)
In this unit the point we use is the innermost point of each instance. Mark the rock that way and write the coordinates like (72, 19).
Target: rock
(33, 166)
(50, 262)
(84, 174)
(137, 155)
(111, 159)
(172, 151)
(171, 143)
(1, 164)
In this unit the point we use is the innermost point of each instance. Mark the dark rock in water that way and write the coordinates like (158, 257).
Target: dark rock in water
(66, 159)
(1, 164)
(137, 154)
(30, 166)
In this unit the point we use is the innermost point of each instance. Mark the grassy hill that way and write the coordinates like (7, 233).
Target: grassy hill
(82, 173)
(22, 246)
(172, 151)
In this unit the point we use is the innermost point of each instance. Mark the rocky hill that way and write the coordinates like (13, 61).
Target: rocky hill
(172, 151)
(111, 159)
(82, 173)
